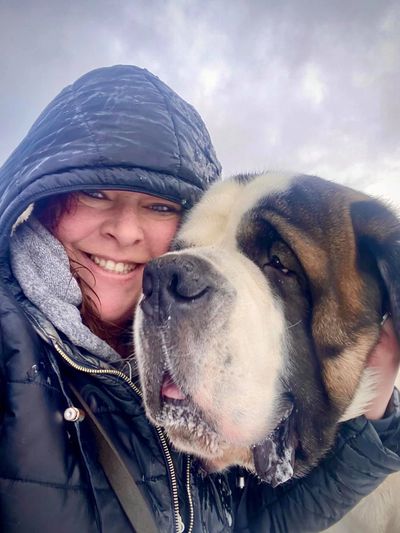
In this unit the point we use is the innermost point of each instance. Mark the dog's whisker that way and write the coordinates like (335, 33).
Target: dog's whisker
(295, 324)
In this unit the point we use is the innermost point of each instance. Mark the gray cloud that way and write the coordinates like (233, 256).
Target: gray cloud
(308, 86)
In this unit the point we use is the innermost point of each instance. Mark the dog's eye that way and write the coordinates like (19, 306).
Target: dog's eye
(275, 262)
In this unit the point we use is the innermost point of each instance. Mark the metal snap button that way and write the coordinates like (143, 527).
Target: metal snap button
(73, 414)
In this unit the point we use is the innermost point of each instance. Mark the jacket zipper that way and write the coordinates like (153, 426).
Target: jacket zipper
(189, 493)
(178, 522)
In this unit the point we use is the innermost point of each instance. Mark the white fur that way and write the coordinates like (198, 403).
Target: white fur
(22, 217)
(223, 206)
(364, 396)
(257, 352)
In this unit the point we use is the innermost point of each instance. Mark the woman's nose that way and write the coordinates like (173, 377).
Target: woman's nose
(124, 225)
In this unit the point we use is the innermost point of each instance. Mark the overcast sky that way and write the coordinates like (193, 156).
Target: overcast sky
(308, 86)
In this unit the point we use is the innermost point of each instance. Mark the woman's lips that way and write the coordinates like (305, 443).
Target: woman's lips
(109, 265)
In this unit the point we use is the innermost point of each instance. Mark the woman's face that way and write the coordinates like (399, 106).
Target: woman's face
(113, 234)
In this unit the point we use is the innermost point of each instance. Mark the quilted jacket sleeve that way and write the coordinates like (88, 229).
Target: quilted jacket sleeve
(364, 454)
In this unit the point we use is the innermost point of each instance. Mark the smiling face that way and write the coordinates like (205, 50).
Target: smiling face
(109, 236)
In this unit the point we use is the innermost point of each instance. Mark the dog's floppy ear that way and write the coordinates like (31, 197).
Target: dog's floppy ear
(378, 229)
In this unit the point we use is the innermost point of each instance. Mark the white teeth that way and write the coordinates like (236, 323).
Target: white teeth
(112, 266)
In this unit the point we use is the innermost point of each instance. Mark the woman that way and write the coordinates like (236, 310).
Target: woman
(110, 166)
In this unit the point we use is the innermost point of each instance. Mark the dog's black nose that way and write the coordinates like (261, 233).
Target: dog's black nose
(173, 281)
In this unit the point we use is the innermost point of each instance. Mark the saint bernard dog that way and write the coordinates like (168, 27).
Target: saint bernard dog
(253, 333)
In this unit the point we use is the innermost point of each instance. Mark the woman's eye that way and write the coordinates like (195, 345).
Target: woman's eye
(164, 208)
(275, 262)
(99, 195)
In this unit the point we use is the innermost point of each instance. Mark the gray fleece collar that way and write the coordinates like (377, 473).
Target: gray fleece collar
(41, 266)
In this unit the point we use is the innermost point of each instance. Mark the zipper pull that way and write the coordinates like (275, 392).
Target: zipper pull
(181, 525)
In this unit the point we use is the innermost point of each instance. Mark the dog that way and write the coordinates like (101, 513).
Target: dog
(253, 333)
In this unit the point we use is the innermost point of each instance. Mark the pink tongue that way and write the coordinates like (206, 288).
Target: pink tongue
(170, 390)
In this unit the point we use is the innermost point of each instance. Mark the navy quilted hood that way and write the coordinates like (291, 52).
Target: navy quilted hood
(116, 127)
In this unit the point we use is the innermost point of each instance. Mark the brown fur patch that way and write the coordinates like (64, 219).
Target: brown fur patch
(328, 253)
(342, 374)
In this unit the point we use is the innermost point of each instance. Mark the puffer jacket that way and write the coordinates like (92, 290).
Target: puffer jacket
(133, 134)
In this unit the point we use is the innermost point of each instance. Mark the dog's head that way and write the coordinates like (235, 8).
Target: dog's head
(253, 333)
